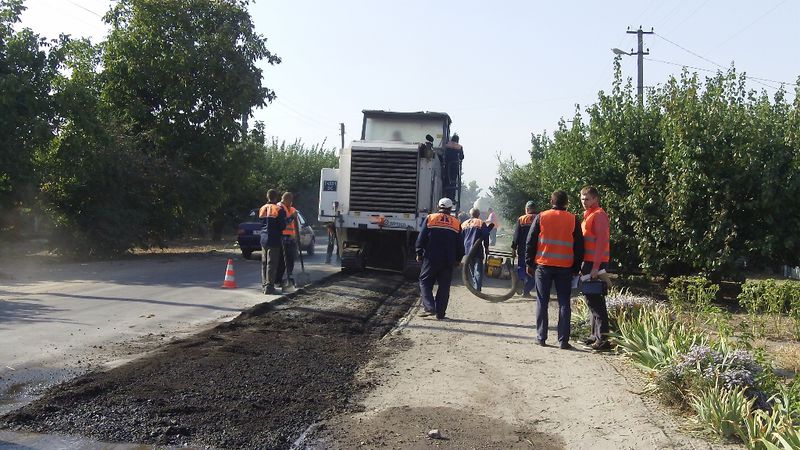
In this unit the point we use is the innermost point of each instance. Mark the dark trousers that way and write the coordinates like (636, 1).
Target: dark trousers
(331, 243)
(270, 260)
(528, 282)
(430, 275)
(286, 264)
(598, 313)
(545, 276)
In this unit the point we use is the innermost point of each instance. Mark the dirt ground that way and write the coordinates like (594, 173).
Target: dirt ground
(482, 382)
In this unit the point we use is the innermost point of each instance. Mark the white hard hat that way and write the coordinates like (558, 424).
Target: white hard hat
(446, 203)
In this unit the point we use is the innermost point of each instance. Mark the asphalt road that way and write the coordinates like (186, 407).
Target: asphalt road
(58, 320)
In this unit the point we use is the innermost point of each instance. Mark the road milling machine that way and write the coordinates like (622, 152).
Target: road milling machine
(386, 185)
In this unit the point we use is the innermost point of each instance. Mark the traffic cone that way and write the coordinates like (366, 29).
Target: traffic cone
(229, 282)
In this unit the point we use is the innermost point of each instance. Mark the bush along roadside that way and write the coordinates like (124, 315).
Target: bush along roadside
(763, 299)
(732, 390)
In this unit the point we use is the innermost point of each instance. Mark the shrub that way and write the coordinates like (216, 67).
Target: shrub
(692, 293)
(652, 337)
(722, 410)
(773, 297)
(770, 296)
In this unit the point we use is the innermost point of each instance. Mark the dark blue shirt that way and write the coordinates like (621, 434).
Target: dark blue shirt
(273, 219)
(440, 241)
(475, 230)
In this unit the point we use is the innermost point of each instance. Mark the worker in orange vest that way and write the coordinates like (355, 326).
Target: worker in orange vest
(289, 241)
(553, 254)
(439, 247)
(521, 230)
(273, 218)
(595, 228)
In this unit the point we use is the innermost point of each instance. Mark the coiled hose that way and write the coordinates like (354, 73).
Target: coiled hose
(465, 274)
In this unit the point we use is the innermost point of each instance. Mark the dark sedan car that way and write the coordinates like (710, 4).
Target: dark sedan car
(249, 235)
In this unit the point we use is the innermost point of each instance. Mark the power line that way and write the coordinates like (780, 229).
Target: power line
(754, 79)
(84, 8)
(748, 25)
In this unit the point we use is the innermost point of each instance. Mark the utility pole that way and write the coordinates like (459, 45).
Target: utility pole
(341, 128)
(640, 60)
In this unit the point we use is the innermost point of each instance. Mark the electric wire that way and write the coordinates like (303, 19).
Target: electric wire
(740, 31)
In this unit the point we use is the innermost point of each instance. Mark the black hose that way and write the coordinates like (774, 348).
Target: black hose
(465, 274)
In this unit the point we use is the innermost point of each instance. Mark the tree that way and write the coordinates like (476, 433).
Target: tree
(469, 194)
(179, 76)
(28, 66)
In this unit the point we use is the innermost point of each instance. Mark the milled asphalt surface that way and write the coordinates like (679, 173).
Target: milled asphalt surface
(58, 320)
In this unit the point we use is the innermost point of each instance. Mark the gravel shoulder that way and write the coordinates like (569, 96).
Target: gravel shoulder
(480, 379)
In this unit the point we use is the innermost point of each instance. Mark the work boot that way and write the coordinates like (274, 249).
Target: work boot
(527, 295)
(292, 283)
(269, 289)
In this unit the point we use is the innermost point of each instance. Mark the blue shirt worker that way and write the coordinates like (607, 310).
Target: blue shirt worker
(521, 230)
(440, 247)
(553, 253)
(273, 218)
(475, 230)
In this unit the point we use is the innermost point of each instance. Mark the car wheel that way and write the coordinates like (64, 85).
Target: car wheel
(247, 254)
(310, 248)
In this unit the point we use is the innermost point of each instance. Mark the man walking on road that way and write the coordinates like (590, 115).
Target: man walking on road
(273, 217)
(553, 253)
(475, 230)
(289, 241)
(440, 247)
(595, 228)
(521, 230)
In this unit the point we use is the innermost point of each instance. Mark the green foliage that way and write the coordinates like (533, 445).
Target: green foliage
(469, 194)
(652, 337)
(681, 177)
(722, 410)
(770, 296)
(774, 297)
(179, 97)
(28, 66)
(691, 293)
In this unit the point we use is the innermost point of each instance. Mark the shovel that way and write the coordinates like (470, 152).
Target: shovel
(304, 277)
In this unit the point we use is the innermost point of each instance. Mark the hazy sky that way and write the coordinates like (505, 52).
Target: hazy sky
(502, 70)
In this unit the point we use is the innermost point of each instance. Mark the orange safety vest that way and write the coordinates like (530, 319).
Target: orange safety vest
(555, 238)
(269, 211)
(472, 223)
(526, 220)
(590, 239)
(291, 229)
(444, 221)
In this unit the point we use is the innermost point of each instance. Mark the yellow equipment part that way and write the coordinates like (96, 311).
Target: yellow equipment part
(494, 267)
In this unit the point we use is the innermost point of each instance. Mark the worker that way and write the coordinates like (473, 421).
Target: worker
(273, 218)
(475, 230)
(330, 227)
(493, 219)
(453, 155)
(289, 242)
(439, 247)
(553, 254)
(595, 227)
(521, 230)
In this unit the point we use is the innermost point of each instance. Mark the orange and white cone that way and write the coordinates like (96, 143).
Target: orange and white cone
(230, 282)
